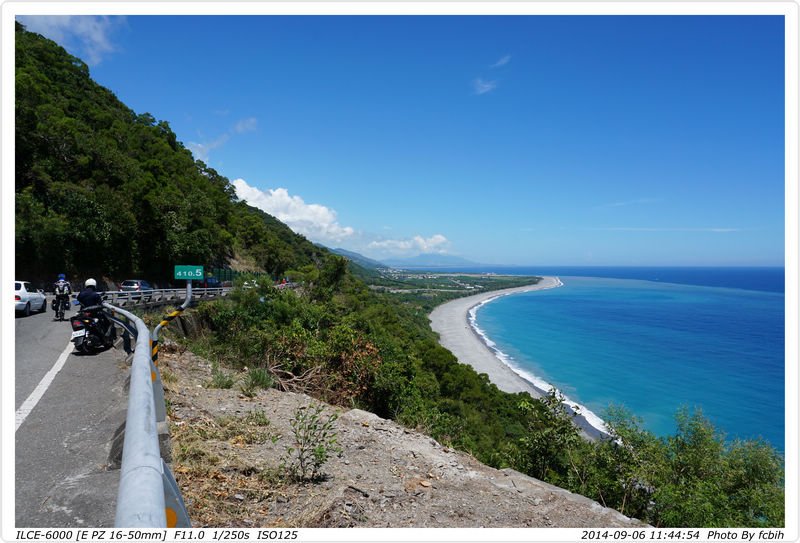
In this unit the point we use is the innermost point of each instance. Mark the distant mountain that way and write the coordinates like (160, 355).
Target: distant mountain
(431, 261)
(359, 259)
(419, 261)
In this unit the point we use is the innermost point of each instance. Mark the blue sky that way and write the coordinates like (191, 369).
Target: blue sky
(574, 140)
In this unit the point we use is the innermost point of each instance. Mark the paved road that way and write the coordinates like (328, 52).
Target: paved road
(63, 476)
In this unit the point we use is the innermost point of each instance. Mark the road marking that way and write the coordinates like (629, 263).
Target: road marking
(28, 405)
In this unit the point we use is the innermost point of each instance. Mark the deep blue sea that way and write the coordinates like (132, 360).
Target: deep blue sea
(654, 340)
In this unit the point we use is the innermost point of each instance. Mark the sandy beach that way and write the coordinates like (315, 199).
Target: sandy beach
(451, 321)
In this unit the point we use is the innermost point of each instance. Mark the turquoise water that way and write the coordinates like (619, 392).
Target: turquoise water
(652, 347)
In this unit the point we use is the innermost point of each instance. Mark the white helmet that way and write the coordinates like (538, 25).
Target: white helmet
(90, 283)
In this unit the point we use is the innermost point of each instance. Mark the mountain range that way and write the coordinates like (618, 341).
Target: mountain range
(431, 261)
(416, 262)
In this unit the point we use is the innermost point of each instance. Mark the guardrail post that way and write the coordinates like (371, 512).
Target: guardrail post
(177, 516)
(158, 387)
(128, 329)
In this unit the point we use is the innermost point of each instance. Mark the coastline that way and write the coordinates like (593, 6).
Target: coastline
(454, 322)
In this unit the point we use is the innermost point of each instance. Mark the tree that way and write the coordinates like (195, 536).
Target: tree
(550, 438)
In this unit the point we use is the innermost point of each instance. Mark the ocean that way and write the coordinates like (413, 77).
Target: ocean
(653, 340)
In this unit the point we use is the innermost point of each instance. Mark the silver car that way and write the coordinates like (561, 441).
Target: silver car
(27, 298)
(137, 286)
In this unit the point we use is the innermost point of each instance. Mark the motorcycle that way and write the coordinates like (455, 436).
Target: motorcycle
(60, 308)
(91, 332)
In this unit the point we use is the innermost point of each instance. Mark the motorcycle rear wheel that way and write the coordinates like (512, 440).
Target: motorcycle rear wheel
(80, 345)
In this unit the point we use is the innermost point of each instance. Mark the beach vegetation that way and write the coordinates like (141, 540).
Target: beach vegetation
(547, 448)
(709, 482)
(694, 478)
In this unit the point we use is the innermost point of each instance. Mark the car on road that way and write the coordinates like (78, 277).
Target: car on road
(211, 282)
(138, 286)
(26, 298)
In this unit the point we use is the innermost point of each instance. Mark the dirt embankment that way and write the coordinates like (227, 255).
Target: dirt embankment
(228, 448)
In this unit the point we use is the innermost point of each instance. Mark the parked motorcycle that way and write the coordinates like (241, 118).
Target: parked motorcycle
(91, 331)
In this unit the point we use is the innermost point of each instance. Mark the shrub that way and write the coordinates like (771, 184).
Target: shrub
(257, 378)
(315, 440)
(220, 379)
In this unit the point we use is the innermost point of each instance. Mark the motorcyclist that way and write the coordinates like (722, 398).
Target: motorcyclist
(90, 299)
(89, 295)
(62, 290)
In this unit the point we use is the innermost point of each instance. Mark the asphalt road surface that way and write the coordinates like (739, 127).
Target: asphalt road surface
(64, 474)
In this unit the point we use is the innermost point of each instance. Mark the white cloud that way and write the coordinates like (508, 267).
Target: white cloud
(86, 36)
(201, 151)
(482, 87)
(320, 223)
(316, 222)
(502, 62)
(435, 244)
(246, 125)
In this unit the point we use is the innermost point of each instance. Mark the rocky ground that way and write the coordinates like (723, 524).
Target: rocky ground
(228, 449)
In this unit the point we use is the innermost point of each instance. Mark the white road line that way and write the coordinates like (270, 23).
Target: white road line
(28, 405)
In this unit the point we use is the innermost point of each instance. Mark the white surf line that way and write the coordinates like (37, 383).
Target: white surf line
(28, 405)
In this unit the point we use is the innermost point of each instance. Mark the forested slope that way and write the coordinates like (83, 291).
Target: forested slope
(104, 191)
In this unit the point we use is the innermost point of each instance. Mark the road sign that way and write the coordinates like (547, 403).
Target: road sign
(188, 272)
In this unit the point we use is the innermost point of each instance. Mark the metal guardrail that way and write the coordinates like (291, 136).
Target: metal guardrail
(148, 496)
(159, 296)
(140, 498)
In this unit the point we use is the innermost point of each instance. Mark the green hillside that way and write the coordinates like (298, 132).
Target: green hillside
(104, 191)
